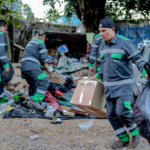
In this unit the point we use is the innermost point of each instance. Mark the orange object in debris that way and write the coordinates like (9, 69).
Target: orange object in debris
(58, 93)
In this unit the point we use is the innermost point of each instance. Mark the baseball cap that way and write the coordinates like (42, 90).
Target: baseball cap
(107, 23)
(41, 33)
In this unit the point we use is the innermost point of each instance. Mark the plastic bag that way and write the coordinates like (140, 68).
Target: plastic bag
(49, 59)
(141, 112)
(8, 76)
(63, 48)
(65, 99)
(50, 111)
(69, 83)
(52, 100)
(53, 87)
(86, 125)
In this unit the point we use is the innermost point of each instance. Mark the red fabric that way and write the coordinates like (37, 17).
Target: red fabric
(58, 93)
(52, 100)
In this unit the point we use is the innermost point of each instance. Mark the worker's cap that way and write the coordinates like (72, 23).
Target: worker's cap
(106, 23)
(41, 33)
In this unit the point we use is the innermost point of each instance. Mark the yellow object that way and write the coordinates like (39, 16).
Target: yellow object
(51, 53)
(90, 37)
(8, 108)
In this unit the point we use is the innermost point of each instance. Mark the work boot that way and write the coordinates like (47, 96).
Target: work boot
(136, 141)
(35, 105)
(120, 144)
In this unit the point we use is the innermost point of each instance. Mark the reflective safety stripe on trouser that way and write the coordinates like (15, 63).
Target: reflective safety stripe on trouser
(39, 96)
(119, 115)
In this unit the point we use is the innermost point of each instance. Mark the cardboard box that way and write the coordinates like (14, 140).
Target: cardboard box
(55, 77)
(89, 96)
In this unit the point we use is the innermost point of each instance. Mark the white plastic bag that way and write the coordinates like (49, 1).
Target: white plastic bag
(50, 111)
(86, 125)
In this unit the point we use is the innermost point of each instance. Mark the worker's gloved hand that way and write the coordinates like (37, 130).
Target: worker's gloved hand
(7, 70)
(147, 68)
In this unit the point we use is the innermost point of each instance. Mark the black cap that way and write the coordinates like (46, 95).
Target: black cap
(107, 23)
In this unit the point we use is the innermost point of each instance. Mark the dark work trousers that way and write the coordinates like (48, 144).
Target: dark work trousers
(36, 85)
(119, 114)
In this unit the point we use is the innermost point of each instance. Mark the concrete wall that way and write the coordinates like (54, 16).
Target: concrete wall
(135, 32)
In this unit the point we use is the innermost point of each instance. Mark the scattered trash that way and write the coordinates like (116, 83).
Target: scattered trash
(58, 121)
(86, 125)
(34, 137)
(44, 104)
(50, 111)
(8, 94)
(26, 119)
(52, 100)
(11, 101)
(8, 108)
(67, 113)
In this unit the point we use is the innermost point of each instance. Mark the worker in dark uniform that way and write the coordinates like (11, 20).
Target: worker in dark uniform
(117, 55)
(35, 55)
(94, 56)
(4, 62)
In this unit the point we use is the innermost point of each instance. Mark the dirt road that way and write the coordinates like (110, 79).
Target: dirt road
(15, 135)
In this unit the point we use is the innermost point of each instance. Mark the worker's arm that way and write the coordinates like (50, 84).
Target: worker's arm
(94, 51)
(134, 54)
(3, 52)
(43, 55)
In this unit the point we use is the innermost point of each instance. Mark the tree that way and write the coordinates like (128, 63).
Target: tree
(91, 11)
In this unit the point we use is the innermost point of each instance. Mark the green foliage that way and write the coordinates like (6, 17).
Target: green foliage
(133, 10)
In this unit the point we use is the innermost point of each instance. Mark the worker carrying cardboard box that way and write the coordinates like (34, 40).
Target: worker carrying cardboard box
(35, 55)
(4, 62)
(117, 55)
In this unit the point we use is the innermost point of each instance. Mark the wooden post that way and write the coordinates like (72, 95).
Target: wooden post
(11, 31)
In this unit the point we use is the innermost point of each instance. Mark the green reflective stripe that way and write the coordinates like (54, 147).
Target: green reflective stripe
(124, 137)
(97, 76)
(102, 55)
(98, 69)
(40, 41)
(6, 66)
(135, 132)
(127, 105)
(105, 106)
(1, 32)
(114, 60)
(38, 97)
(123, 37)
(103, 41)
(6, 44)
(42, 67)
(144, 73)
(90, 65)
(97, 35)
(0, 79)
(118, 56)
(41, 76)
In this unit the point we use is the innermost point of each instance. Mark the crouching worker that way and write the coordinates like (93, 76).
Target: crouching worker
(4, 62)
(35, 55)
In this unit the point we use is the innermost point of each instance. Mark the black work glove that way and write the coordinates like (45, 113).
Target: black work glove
(147, 68)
